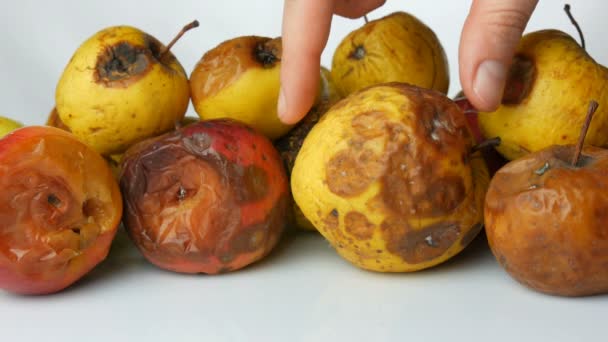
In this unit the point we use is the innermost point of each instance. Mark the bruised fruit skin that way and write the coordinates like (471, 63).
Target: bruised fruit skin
(117, 89)
(239, 79)
(547, 221)
(387, 176)
(548, 87)
(8, 125)
(59, 210)
(395, 48)
(211, 197)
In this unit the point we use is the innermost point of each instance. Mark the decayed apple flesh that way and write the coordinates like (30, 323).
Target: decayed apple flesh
(59, 210)
(210, 197)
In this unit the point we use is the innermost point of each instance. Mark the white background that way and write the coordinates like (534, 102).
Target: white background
(303, 291)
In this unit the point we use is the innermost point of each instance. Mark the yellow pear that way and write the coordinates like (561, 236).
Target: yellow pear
(550, 83)
(390, 178)
(239, 79)
(395, 48)
(8, 125)
(121, 86)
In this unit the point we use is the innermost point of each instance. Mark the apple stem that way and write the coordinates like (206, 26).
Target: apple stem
(581, 139)
(492, 142)
(578, 28)
(179, 35)
(365, 18)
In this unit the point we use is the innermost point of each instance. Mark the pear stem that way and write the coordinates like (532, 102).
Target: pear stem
(365, 18)
(492, 142)
(581, 139)
(179, 35)
(578, 28)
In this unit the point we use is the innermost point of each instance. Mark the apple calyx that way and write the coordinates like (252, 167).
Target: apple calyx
(576, 25)
(581, 140)
(185, 29)
(267, 53)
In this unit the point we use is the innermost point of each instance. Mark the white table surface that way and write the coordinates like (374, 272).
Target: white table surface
(303, 291)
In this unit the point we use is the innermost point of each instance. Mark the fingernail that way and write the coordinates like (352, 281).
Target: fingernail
(489, 82)
(282, 106)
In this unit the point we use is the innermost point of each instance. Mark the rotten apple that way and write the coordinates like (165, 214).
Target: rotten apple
(546, 218)
(209, 197)
(59, 210)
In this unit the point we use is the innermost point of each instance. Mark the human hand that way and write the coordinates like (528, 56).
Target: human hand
(489, 38)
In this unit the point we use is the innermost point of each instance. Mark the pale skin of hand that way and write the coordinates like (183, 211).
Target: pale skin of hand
(488, 41)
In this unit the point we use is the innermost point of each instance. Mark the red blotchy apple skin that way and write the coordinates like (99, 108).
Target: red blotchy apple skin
(210, 197)
(60, 209)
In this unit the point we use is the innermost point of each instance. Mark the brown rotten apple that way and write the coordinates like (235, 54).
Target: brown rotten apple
(210, 197)
(60, 207)
(546, 219)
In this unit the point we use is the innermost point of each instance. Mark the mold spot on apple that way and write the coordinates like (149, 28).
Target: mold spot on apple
(121, 64)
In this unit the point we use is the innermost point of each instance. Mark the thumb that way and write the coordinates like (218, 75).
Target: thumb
(489, 38)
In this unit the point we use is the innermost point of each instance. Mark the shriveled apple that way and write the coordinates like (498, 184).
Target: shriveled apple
(210, 197)
(60, 208)
(546, 219)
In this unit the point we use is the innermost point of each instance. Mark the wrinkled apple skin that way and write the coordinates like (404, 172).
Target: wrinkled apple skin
(59, 210)
(210, 197)
(547, 221)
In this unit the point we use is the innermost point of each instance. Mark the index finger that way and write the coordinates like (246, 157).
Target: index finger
(306, 25)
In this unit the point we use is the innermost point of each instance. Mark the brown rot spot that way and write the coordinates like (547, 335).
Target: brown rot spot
(94, 129)
(358, 225)
(370, 124)
(268, 52)
(358, 53)
(253, 182)
(122, 64)
(407, 190)
(471, 234)
(350, 172)
(520, 80)
(417, 246)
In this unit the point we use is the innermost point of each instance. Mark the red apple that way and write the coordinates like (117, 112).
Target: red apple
(60, 208)
(210, 197)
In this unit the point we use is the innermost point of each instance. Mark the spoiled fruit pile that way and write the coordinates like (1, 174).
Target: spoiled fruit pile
(395, 175)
